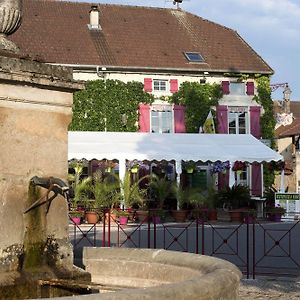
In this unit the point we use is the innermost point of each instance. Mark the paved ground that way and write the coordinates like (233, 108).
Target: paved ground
(270, 288)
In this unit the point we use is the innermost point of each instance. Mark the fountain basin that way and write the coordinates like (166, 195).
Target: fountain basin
(160, 274)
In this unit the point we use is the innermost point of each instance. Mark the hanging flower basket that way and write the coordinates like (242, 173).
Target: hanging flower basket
(239, 166)
(220, 167)
(189, 166)
(134, 165)
(276, 167)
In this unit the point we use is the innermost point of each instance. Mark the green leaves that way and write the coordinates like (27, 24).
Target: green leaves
(101, 105)
(198, 99)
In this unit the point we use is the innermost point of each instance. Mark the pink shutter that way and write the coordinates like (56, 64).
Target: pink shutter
(148, 84)
(255, 121)
(179, 118)
(256, 189)
(144, 118)
(250, 88)
(223, 180)
(173, 85)
(225, 87)
(222, 117)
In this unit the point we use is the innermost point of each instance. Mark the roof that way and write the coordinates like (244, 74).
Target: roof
(151, 146)
(292, 129)
(131, 36)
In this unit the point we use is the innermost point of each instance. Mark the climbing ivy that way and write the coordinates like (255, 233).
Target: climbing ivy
(102, 103)
(198, 99)
(267, 120)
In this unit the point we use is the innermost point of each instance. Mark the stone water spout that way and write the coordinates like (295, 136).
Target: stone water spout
(10, 20)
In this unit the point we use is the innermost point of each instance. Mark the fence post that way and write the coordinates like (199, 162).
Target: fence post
(104, 228)
(253, 250)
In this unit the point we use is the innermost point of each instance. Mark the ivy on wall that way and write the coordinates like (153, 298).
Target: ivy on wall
(198, 100)
(267, 120)
(103, 104)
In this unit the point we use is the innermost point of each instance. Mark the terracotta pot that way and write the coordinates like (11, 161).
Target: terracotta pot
(91, 217)
(179, 215)
(113, 218)
(236, 216)
(142, 215)
(212, 215)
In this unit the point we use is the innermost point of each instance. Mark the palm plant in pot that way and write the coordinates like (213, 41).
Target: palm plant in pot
(130, 193)
(160, 188)
(105, 192)
(235, 199)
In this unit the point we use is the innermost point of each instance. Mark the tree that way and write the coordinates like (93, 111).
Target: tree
(103, 104)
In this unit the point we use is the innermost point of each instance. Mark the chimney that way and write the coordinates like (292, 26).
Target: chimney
(94, 18)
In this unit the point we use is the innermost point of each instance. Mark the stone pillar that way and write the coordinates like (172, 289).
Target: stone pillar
(35, 111)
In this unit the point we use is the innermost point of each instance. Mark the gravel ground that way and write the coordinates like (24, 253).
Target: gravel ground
(270, 288)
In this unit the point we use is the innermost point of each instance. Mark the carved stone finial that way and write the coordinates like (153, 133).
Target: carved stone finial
(10, 20)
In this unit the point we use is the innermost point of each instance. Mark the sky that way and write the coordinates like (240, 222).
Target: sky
(270, 27)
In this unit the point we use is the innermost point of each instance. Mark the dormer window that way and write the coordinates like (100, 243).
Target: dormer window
(194, 57)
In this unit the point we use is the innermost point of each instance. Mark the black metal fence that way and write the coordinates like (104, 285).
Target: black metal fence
(256, 247)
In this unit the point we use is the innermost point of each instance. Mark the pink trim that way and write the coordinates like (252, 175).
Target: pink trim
(255, 121)
(144, 118)
(256, 189)
(225, 87)
(173, 85)
(250, 88)
(148, 84)
(179, 118)
(222, 117)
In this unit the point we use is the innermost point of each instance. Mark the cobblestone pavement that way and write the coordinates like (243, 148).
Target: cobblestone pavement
(270, 288)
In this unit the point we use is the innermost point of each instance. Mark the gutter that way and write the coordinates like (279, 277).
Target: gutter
(134, 70)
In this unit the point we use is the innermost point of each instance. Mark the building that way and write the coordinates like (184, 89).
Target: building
(161, 48)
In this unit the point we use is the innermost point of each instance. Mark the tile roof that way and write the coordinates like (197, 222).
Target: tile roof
(131, 36)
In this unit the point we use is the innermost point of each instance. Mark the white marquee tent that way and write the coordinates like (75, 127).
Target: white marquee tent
(149, 146)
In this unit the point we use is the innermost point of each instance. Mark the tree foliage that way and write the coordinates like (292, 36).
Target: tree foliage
(198, 99)
(102, 103)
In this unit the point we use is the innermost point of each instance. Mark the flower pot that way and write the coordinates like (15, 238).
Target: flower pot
(91, 217)
(212, 215)
(236, 216)
(179, 215)
(189, 170)
(156, 220)
(142, 215)
(123, 220)
(76, 220)
(112, 216)
(134, 169)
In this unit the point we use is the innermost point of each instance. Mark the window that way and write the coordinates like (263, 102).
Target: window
(241, 177)
(238, 120)
(159, 85)
(237, 88)
(193, 56)
(162, 119)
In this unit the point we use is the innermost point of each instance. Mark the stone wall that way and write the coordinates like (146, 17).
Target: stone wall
(35, 111)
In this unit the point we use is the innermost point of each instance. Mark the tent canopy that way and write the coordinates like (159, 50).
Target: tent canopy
(151, 146)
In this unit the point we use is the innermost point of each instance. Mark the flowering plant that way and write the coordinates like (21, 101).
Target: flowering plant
(276, 165)
(238, 166)
(219, 166)
(135, 164)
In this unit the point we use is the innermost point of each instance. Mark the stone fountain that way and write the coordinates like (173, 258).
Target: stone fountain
(35, 111)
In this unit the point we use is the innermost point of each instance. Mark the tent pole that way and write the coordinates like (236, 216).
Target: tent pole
(282, 187)
(231, 175)
(178, 172)
(122, 171)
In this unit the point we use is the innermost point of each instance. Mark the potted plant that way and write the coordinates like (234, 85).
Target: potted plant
(235, 199)
(75, 217)
(275, 213)
(122, 215)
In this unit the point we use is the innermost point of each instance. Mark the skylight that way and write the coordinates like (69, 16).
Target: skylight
(194, 56)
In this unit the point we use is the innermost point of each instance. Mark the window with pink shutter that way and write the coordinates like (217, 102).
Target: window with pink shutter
(148, 84)
(179, 118)
(222, 117)
(255, 121)
(173, 85)
(144, 118)
(250, 88)
(225, 87)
